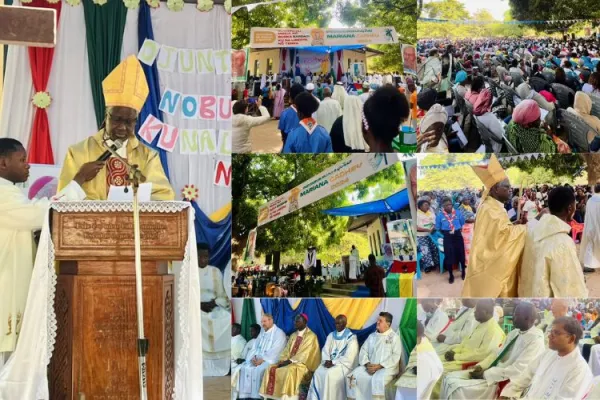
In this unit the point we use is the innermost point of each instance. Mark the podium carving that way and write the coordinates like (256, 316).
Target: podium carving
(95, 353)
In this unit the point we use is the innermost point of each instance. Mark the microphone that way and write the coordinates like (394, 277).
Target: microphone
(117, 144)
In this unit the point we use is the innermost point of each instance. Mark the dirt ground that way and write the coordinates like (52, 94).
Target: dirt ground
(266, 138)
(435, 285)
(217, 388)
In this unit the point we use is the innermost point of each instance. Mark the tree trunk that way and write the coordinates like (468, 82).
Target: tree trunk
(592, 168)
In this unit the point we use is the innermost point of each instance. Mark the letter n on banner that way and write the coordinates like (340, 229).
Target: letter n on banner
(223, 173)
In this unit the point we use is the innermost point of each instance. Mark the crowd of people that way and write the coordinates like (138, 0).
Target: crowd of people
(273, 366)
(319, 115)
(509, 95)
(528, 349)
(544, 236)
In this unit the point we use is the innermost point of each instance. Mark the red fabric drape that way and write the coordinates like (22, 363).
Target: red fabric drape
(339, 68)
(283, 54)
(40, 59)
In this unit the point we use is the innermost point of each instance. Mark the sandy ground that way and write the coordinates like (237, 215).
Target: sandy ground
(266, 138)
(435, 285)
(217, 388)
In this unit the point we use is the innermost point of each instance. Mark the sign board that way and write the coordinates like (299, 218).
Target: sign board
(287, 37)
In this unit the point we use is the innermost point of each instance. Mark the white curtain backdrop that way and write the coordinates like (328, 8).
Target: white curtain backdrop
(211, 30)
(71, 114)
(16, 117)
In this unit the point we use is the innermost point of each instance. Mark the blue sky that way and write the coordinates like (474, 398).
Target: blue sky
(496, 7)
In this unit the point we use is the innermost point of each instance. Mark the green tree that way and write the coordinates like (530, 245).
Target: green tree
(258, 179)
(401, 14)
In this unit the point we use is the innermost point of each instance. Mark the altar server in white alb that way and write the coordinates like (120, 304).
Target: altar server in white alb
(558, 373)
(379, 362)
(216, 317)
(522, 345)
(424, 360)
(461, 327)
(19, 218)
(239, 358)
(266, 351)
(238, 344)
(436, 320)
(339, 357)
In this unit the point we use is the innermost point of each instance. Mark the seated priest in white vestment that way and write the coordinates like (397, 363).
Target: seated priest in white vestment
(339, 357)
(236, 363)
(558, 373)
(436, 321)
(522, 345)
(379, 362)
(238, 344)
(296, 365)
(550, 266)
(19, 218)
(461, 327)
(216, 317)
(424, 360)
(265, 352)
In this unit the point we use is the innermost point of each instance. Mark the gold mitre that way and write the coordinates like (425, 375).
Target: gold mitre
(490, 174)
(126, 85)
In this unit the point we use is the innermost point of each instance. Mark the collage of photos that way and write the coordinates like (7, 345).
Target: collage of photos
(299, 200)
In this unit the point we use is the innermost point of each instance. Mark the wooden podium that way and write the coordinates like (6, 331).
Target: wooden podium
(95, 353)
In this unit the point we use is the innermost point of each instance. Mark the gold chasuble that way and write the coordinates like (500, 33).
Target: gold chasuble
(125, 86)
(97, 189)
(497, 244)
(305, 354)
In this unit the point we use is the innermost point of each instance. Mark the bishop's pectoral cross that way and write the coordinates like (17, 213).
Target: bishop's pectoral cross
(28, 26)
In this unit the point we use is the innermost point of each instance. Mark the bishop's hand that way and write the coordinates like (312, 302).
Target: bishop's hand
(88, 171)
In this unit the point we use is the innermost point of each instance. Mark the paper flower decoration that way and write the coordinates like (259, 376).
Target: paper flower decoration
(41, 100)
(205, 5)
(26, 1)
(189, 192)
(153, 3)
(100, 2)
(175, 5)
(73, 3)
(131, 4)
(52, 1)
(227, 6)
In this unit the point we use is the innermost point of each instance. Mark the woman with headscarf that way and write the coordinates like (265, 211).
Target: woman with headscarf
(279, 103)
(459, 81)
(524, 130)
(339, 94)
(525, 92)
(430, 258)
(583, 109)
(346, 132)
(431, 137)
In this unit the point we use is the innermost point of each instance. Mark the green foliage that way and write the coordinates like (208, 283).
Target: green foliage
(553, 10)
(260, 178)
(401, 14)
(290, 14)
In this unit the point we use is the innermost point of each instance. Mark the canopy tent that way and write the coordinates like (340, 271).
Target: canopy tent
(393, 203)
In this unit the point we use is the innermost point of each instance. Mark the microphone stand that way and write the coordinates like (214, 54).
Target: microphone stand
(135, 176)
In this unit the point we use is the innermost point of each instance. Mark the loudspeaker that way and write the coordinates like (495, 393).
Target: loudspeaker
(276, 261)
(269, 259)
(318, 268)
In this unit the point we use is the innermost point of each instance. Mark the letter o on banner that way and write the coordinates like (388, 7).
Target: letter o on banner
(189, 107)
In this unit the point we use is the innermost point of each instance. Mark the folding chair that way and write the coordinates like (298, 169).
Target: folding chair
(487, 137)
(595, 104)
(564, 94)
(577, 129)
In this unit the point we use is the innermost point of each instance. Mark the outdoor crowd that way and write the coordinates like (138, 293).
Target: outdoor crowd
(509, 95)
(440, 212)
(492, 348)
(318, 114)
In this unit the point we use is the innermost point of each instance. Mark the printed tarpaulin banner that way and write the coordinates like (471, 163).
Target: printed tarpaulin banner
(352, 169)
(287, 37)
(313, 62)
(250, 246)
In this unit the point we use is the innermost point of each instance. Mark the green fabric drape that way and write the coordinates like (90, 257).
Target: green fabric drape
(408, 325)
(104, 27)
(248, 318)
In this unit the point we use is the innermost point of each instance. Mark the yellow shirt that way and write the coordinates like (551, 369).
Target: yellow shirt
(91, 148)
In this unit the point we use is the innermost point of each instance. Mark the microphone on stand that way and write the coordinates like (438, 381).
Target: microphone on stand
(117, 144)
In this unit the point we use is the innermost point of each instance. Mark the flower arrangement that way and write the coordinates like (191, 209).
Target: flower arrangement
(42, 100)
(175, 5)
(100, 2)
(189, 192)
(227, 6)
(73, 3)
(315, 286)
(153, 3)
(131, 4)
(205, 5)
